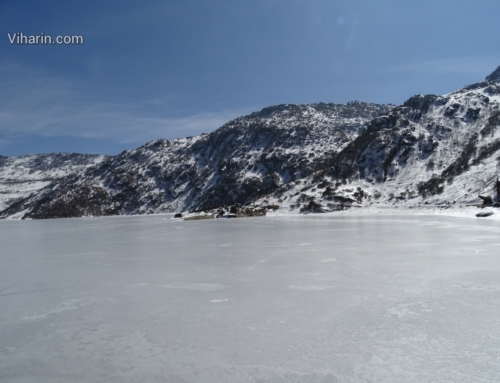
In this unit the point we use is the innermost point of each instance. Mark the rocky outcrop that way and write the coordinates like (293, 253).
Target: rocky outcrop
(494, 76)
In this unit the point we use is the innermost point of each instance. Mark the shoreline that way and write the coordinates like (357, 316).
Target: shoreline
(448, 211)
(458, 212)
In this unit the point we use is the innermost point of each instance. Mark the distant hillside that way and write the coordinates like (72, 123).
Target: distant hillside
(22, 176)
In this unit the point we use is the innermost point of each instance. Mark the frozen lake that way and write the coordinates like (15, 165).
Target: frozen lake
(292, 299)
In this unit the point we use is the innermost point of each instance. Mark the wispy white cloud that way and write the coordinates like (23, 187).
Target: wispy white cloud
(32, 103)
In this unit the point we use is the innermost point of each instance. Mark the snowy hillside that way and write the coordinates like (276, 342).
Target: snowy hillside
(246, 158)
(430, 150)
(436, 150)
(24, 175)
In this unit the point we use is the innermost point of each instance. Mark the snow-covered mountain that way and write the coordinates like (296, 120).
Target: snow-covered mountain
(22, 176)
(430, 150)
(246, 158)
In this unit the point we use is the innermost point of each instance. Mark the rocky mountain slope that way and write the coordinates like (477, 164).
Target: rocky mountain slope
(22, 176)
(318, 157)
(435, 150)
(246, 158)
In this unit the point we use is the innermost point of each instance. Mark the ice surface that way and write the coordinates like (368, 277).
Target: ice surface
(272, 299)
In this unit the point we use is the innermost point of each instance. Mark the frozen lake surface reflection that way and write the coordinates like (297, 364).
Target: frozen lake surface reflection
(294, 299)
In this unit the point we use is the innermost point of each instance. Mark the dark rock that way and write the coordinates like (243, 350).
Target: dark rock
(493, 89)
(472, 114)
(421, 103)
(451, 110)
(312, 207)
(497, 185)
(487, 200)
(3, 160)
(178, 215)
(494, 76)
(433, 186)
(484, 214)
(476, 86)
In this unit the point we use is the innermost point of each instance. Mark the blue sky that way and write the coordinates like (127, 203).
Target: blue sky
(175, 68)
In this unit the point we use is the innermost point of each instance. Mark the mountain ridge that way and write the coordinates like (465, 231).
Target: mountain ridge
(316, 157)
